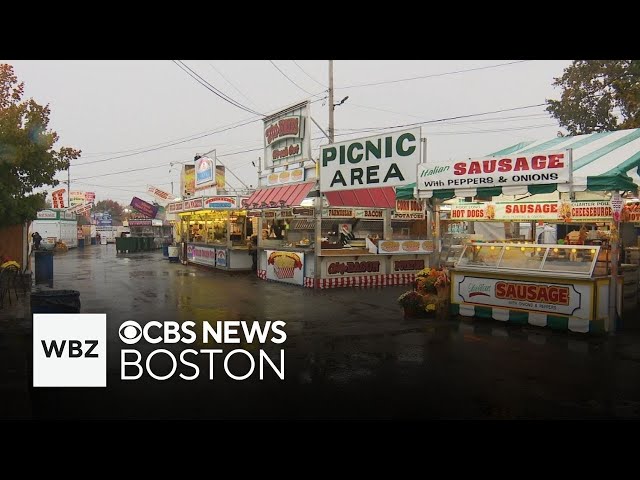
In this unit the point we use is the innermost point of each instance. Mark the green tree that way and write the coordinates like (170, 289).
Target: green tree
(27, 157)
(598, 95)
(110, 206)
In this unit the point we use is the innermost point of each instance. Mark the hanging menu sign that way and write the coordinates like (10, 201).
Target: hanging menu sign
(560, 211)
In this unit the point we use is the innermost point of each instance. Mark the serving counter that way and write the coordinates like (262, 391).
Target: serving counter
(558, 286)
(222, 256)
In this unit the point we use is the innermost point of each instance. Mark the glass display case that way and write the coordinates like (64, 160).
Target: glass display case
(552, 260)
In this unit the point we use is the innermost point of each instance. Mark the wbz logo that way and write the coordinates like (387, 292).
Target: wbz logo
(74, 350)
(69, 350)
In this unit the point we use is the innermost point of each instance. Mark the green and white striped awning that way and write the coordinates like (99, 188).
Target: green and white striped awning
(601, 162)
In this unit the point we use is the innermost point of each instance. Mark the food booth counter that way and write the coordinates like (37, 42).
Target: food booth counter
(214, 231)
(560, 286)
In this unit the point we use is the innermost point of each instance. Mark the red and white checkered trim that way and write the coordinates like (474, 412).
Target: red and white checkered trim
(368, 280)
(361, 281)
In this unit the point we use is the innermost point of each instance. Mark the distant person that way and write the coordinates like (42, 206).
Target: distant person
(36, 240)
(253, 251)
(98, 238)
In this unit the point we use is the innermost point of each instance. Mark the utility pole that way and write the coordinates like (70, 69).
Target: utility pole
(68, 185)
(331, 105)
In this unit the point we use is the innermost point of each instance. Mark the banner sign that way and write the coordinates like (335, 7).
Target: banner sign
(521, 170)
(555, 298)
(392, 247)
(409, 206)
(387, 160)
(144, 207)
(220, 202)
(47, 214)
(188, 180)
(136, 222)
(158, 193)
(89, 197)
(175, 207)
(57, 198)
(288, 176)
(287, 138)
(76, 197)
(201, 255)
(193, 204)
(220, 179)
(563, 211)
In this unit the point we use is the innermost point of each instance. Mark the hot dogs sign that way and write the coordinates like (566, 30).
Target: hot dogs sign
(517, 171)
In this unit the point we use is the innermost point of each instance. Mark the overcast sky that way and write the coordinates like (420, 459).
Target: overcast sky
(114, 108)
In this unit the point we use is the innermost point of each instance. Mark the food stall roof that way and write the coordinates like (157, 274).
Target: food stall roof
(601, 161)
(383, 197)
(291, 195)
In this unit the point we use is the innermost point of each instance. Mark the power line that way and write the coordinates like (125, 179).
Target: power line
(232, 85)
(187, 138)
(430, 76)
(304, 71)
(170, 144)
(213, 89)
(163, 145)
(443, 119)
(185, 68)
(350, 132)
(287, 77)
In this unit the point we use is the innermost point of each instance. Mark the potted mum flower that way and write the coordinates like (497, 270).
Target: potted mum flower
(433, 282)
(413, 304)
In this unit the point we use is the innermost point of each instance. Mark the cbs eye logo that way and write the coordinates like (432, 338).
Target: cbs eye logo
(130, 332)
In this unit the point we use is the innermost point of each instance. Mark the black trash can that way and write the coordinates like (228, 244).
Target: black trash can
(55, 301)
(44, 266)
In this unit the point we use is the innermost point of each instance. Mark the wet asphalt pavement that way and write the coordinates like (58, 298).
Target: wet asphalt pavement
(349, 354)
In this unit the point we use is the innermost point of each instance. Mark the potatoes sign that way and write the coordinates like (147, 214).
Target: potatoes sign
(382, 161)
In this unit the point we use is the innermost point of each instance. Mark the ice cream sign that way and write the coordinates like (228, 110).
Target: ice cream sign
(521, 170)
(204, 172)
(220, 202)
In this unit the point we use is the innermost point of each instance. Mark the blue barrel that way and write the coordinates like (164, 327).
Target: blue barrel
(55, 301)
(93, 240)
(165, 250)
(81, 243)
(44, 266)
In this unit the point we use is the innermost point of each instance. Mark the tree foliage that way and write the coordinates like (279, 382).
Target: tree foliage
(110, 206)
(27, 157)
(598, 95)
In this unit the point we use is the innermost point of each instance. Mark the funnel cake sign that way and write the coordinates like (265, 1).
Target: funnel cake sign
(285, 267)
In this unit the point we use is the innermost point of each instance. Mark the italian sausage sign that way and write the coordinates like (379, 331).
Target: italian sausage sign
(552, 298)
(509, 171)
(387, 160)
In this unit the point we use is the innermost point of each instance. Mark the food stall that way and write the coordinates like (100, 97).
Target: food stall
(55, 225)
(335, 222)
(214, 231)
(578, 283)
(373, 246)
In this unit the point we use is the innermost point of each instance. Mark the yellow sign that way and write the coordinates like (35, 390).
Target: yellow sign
(189, 179)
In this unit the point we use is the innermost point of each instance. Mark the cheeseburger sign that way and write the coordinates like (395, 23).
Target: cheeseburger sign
(521, 170)
(381, 161)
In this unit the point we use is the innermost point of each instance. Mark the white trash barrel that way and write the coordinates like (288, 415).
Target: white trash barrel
(173, 254)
